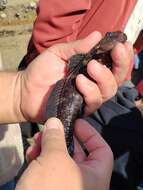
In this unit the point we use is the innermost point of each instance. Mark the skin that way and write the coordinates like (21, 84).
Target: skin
(24, 97)
(26, 92)
(92, 172)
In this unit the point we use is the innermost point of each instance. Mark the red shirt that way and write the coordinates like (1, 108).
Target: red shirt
(62, 21)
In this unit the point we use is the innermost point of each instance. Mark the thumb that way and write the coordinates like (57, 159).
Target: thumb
(66, 50)
(53, 138)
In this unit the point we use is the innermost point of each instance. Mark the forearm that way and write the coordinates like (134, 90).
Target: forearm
(10, 85)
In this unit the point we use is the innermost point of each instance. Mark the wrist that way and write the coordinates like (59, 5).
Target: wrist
(10, 97)
(17, 98)
(31, 99)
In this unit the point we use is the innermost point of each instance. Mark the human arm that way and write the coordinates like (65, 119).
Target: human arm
(25, 93)
(53, 168)
(9, 97)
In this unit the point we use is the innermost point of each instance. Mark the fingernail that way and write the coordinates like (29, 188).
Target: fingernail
(95, 66)
(28, 154)
(87, 82)
(82, 78)
(53, 123)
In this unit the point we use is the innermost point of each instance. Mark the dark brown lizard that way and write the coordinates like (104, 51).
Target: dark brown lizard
(65, 102)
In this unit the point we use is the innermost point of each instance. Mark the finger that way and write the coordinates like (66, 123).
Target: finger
(53, 138)
(79, 155)
(37, 138)
(96, 93)
(122, 56)
(66, 50)
(91, 93)
(104, 78)
(129, 47)
(98, 149)
(33, 152)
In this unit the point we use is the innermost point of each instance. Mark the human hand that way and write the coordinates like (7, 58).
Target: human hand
(38, 79)
(52, 168)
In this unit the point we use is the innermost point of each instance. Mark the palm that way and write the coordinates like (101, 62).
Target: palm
(39, 79)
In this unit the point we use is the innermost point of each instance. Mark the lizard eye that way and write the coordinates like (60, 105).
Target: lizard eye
(110, 34)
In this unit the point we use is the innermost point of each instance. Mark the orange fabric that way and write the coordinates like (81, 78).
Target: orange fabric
(61, 21)
(109, 15)
(58, 21)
